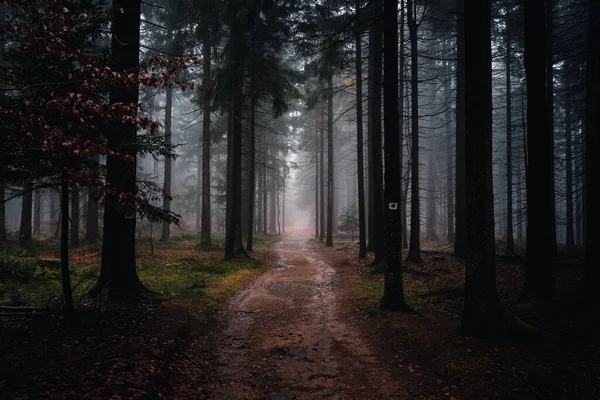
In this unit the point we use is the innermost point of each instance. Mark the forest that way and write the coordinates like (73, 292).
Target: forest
(278, 199)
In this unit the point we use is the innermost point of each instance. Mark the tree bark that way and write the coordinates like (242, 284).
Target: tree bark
(252, 164)
(64, 249)
(592, 163)
(510, 244)
(92, 228)
(205, 228)
(316, 177)
(375, 157)
(166, 226)
(460, 237)
(37, 212)
(362, 236)
(569, 178)
(322, 128)
(550, 111)
(481, 315)
(118, 269)
(414, 251)
(393, 289)
(26, 205)
(329, 241)
(538, 272)
(2, 214)
(74, 216)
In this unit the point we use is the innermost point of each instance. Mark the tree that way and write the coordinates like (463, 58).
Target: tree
(362, 252)
(414, 251)
(538, 272)
(393, 289)
(482, 307)
(349, 219)
(26, 204)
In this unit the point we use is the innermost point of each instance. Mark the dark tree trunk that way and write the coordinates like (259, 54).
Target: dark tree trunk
(2, 214)
(322, 128)
(166, 226)
(265, 194)
(393, 292)
(362, 237)
(375, 156)
(251, 166)
(118, 270)
(401, 119)
(510, 244)
(460, 238)
(591, 160)
(26, 205)
(329, 241)
(273, 200)
(431, 201)
(550, 112)
(316, 177)
(37, 212)
(414, 251)
(64, 249)
(481, 316)
(205, 227)
(538, 273)
(569, 177)
(92, 228)
(74, 216)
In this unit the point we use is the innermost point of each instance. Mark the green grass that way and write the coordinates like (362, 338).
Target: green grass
(176, 268)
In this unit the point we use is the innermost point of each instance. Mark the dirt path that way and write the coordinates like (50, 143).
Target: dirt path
(285, 338)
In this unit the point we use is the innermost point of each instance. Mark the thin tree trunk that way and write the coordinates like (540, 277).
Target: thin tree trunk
(2, 214)
(460, 238)
(316, 177)
(92, 227)
(510, 245)
(322, 128)
(550, 112)
(362, 236)
(205, 228)
(401, 121)
(591, 161)
(64, 250)
(74, 216)
(569, 178)
(37, 212)
(166, 226)
(26, 205)
(252, 164)
(329, 241)
(414, 251)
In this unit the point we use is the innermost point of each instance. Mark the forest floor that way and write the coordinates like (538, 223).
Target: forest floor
(301, 330)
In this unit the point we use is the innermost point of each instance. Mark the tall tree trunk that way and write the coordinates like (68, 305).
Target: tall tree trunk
(166, 226)
(322, 128)
(265, 193)
(362, 236)
(538, 273)
(401, 119)
(329, 241)
(393, 289)
(460, 237)
(64, 249)
(317, 177)
(481, 315)
(510, 244)
(592, 163)
(252, 165)
(26, 205)
(431, 201)
(2, 214)
(92, 228)
(205, 237)
(273, 200)
(375, 157)
(37, 212)
(569, 177)
(74, 215)
(118, 270)
(449, 169)
(550, 112)
(414, 251)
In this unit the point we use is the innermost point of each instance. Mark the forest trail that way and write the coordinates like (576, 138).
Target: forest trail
(284, 337)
